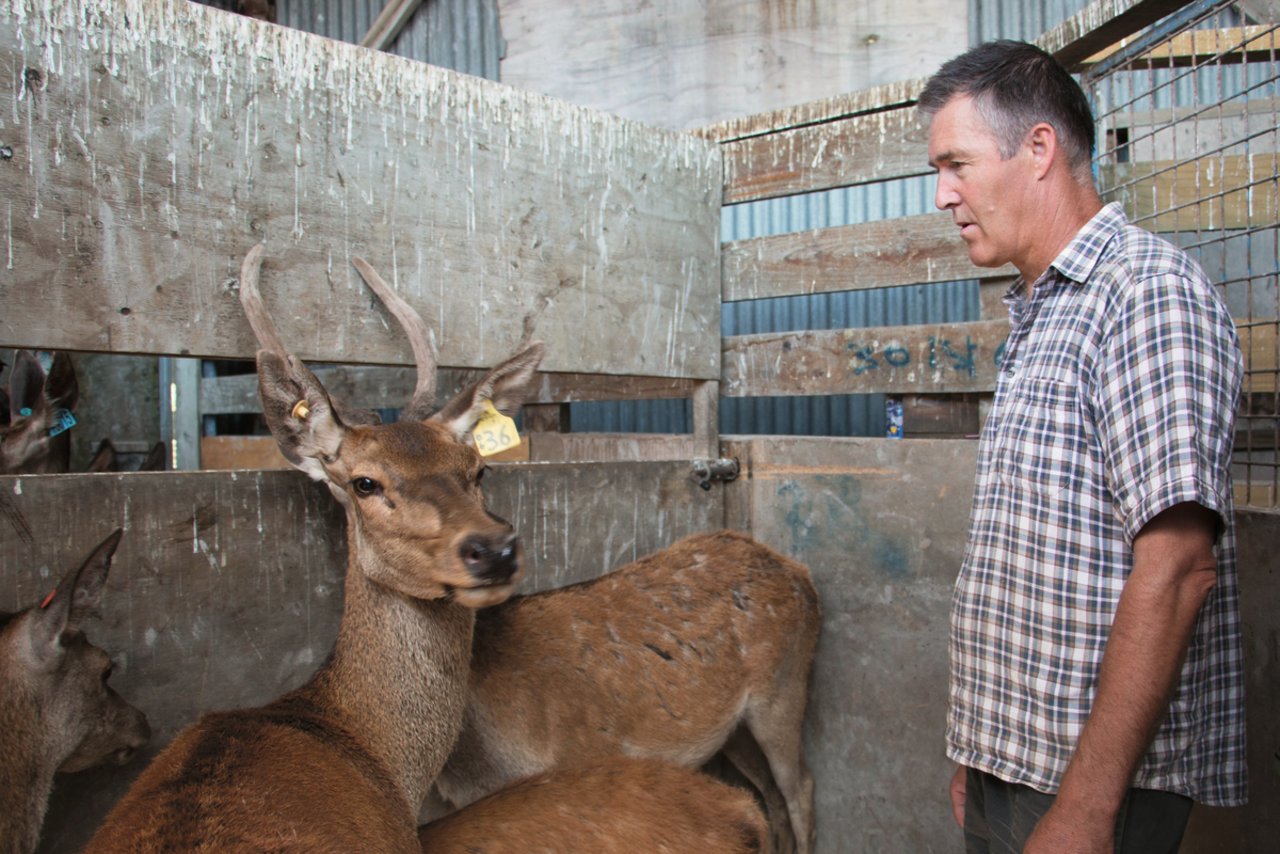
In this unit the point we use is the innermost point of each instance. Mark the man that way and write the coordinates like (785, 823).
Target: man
(1096, 664)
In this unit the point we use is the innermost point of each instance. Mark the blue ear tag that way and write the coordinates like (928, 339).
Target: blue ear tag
(25, 412)
(64, 423)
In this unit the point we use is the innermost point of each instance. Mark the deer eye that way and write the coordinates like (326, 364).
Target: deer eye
(107, 671)
(365, 486)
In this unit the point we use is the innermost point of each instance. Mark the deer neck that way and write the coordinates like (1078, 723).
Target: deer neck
(397, 677)
(26, 777)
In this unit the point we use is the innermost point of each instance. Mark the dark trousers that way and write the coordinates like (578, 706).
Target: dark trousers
(999, 816)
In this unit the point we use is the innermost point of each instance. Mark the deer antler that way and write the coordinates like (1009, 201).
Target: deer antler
(421, 339)
(264, 329)
(251, 299)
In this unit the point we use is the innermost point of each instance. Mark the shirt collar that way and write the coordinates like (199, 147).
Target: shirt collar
(1076, 261)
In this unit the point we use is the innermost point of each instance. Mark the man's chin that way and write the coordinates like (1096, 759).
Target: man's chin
(980, 256)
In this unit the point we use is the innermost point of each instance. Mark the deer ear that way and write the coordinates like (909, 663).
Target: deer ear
(506, 386)
(299, 413)
(61, 386)
(26, 386)
(76, 596)
(104, 459)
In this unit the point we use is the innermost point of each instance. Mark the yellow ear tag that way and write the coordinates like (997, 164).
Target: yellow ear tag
(494, 432)
(300, 410)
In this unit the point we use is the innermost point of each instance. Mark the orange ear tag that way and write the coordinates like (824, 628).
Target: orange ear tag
(494, 432)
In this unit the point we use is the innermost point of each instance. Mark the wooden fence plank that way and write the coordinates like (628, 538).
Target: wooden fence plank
(873, 147)
(1220, 191)
(154, 142)
(392, 387)
(904, 251)
(1101, 24)
(227, 453)
(823, 111)
(1223, 46)
(938, 358)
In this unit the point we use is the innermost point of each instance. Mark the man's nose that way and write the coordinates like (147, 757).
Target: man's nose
(944, 195)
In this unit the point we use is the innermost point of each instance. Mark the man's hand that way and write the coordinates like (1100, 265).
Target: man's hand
(957, 789)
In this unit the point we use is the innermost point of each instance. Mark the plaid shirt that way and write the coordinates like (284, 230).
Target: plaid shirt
(1116, 400)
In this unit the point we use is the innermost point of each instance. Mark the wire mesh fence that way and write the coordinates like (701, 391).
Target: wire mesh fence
(1188, 142)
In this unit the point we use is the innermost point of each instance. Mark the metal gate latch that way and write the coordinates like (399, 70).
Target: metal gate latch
(705, 471)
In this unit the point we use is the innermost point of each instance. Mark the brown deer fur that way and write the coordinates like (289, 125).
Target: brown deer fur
(343, 763)
(672, 656)
(57, 712)
(617, 805)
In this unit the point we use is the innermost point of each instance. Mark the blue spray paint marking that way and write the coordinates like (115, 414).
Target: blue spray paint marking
(961, 358)
(899, 357)
(867, 356)
(960, 362)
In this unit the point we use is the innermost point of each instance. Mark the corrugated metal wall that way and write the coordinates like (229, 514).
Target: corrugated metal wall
(1017, 19)
(460, 34)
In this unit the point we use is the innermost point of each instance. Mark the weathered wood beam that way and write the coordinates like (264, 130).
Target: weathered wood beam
(1214, 192)
(392, 387)
(903, 251)
(1100, 25)
(877, 146)
(926, 358)
(154, 142)
(1223, 46)
(876, 99)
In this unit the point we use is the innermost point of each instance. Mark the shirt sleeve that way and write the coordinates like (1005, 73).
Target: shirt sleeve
(1165, 401)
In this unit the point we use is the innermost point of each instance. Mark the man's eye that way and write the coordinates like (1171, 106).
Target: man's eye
(365, 486)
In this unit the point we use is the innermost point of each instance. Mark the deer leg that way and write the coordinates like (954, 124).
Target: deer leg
(775, 724)
(745, 755)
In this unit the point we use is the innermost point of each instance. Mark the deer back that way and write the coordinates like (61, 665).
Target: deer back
(35, 415)
(617, 805)
(57, 712)
(343, 762)
(656, 658)
(666, 657)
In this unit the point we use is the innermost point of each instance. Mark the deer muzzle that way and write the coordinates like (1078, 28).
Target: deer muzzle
(491, 560)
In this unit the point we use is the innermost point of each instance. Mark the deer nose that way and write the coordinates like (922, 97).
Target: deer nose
(491, 560)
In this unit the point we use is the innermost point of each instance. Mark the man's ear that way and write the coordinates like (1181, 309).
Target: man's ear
(1042, 143)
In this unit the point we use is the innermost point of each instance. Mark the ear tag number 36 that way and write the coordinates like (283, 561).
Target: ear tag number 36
(494, 432)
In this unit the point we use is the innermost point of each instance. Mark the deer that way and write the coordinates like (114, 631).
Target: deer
(343, 762)
(35, 415)
(703, 646)
(615, 805)
(107, 459)
(57, 711)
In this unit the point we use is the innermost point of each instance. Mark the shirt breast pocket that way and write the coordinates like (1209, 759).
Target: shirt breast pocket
(1040, 446)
